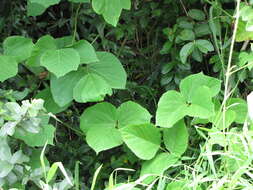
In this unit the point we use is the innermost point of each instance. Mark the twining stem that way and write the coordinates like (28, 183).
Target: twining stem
(75, 23)
(228, 72)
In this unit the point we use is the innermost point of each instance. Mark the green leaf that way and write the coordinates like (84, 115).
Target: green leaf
(171, 108)
(99, 124)
(158, 165)
(186, 51)
(197, 14)
(91, 88)
(110, 9)
(173, 105)
(6, 168)
(107, 66)
(201, 107)
(239, 106)
(43, 44)
(103, 138)
(50, 104)
(176, 138)
(131, 113)
(34, 161)
(9, 67)
(178, 185)
(143, 140)
(204, 46)
(242, 34)
(18, 47)
(60, 62)
(189, 84)
(223, 123)
(86, 52)
(187, 35)
(79, 1)
(202, 29)
(62, 88)
(46, 134)
(35, 7)
(102, 115)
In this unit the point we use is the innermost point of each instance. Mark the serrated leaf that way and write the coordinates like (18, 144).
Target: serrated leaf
(9, 67)
(18, 47)
(185, 51)
(91, 88)
(204, 46)
(196, 14)
(60, 62)
(107, 66)
(143, 140)
(187, 35)
(176, 138)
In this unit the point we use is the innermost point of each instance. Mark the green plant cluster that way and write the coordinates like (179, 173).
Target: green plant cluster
(121, 95)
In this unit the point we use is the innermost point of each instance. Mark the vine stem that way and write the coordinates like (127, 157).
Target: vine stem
(75, 23)
(228, 73)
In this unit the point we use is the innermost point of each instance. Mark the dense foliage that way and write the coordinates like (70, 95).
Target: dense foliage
(126, 94)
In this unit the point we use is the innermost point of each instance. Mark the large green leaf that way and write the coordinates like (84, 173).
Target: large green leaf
(173, 105)
(176, 138)
(86, 51)
(50, 104)
(60, 62)
(201, 107)
(110, 9)
(110, 68)
(43, 44)
(131, 113)
(91, 88)
(46, 134)
(62, 88)
(239, 106)
(171, 108)
(103, 115)
(9, 67)
(158, 165)
(192, 82)
(37, 7)
(99, 124)
(103, 138)
(143, 140)
(19, 47)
